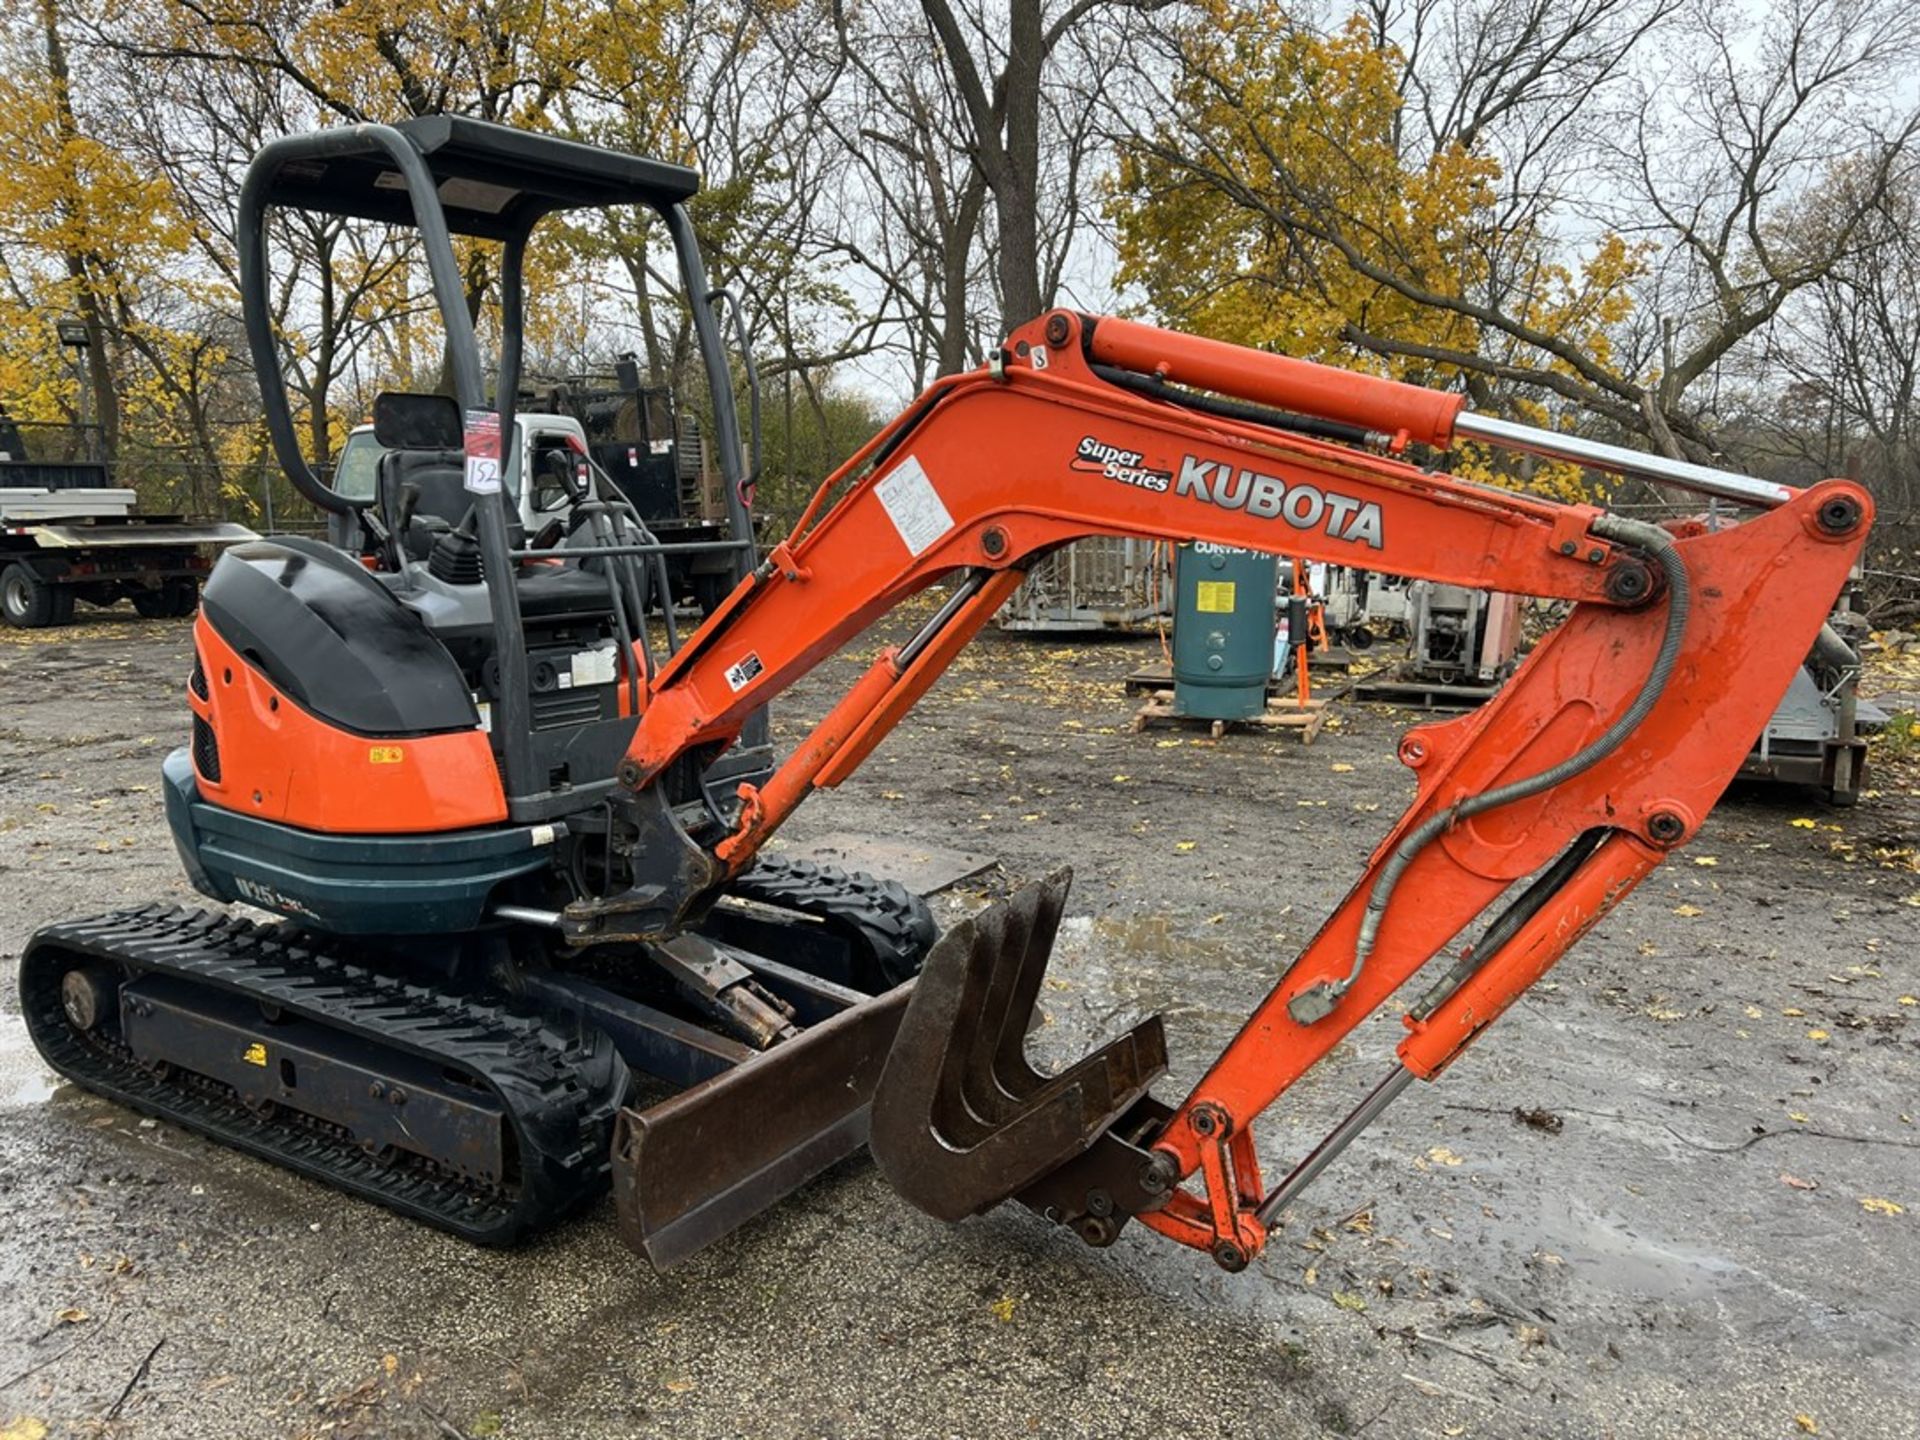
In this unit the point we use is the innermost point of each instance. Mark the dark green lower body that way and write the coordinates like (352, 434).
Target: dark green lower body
(428, 884)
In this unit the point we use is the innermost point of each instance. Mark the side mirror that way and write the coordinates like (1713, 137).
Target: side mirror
(417, 422)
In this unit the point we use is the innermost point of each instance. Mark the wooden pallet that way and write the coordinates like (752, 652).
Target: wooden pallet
(1158, 674)
(1282, 713)
(1421, 695)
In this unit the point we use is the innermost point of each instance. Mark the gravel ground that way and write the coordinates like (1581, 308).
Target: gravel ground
(1705, 1225)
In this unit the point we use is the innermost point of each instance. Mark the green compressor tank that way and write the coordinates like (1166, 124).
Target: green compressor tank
(1223, 627)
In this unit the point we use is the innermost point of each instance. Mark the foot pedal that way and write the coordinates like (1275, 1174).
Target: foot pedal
(961, 1121)
(697, 1166)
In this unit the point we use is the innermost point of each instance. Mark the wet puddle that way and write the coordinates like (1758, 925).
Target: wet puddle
(25, 1080)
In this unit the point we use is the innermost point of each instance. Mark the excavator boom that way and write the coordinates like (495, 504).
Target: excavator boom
(1603, 753)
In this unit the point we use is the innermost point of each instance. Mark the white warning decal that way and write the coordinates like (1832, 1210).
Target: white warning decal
(914, 505)
(741, 673)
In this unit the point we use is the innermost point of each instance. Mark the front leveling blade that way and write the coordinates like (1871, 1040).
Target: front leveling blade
(961, 1121)
(697, 1166)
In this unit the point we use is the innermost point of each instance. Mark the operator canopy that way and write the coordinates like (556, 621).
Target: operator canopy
(494, 181)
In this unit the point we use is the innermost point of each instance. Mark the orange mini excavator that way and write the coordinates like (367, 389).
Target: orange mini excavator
(516, 847)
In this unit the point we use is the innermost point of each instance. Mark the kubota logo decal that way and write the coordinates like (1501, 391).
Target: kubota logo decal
(1217, 482)
(1305, 507)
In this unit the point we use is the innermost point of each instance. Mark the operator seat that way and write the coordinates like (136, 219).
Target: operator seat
(441, 503)
(438, 478)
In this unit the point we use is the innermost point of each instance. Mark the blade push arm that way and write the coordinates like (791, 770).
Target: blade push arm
(1604, 751)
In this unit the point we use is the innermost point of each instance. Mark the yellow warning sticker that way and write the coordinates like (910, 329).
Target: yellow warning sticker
(384, 754)
(256, 1054)
(1215, 597)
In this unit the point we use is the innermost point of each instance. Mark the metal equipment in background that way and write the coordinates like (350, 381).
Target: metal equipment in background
(1361, 607)
(1236, 643)
(1461, 643)
(655, 451)
(1459, 636)
(68, 533)
(1104, 582)
(1818, 733)
(1223, 629)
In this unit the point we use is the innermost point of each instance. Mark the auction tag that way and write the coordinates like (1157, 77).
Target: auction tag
(914, 506)
(483, 452)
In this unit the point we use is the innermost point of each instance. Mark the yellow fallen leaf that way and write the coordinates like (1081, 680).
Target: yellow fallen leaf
(1121, 779)
(1441, 1155)
(1804, 824)
(71, 1315)
(1874, 1205)
(1003, 1308)
(1706, 859)
(1793, 1012)
(680, 1386)
(1347, 1300)
(1167, 744)
(1754, 1012)
(1341, 767)
(1688, 911)
(23, 1427)
(1799, 1117)
(1819, 1037)
(1909, 1000)
(390, 1363)
(1807, 1423)
(1183, 846)
(1312, 1277)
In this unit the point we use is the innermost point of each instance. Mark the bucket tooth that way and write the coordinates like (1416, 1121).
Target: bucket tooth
(961, 1120)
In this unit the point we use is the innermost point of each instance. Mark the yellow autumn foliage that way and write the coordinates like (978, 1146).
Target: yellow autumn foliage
(1278, 206)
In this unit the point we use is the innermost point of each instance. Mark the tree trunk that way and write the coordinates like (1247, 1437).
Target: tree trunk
(319, 436)
(1016, 186)
(82, 268)
(955, 329)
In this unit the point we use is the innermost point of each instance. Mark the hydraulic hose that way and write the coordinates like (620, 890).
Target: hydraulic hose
(1318, 1000)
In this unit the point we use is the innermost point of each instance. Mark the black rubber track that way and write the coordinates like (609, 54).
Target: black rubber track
(892, 922)
(559, 1084)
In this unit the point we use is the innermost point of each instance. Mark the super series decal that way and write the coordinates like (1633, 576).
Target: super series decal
(1096, 457)
(1218, 482)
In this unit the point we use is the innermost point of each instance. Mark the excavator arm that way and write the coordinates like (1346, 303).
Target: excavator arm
(1602, 754)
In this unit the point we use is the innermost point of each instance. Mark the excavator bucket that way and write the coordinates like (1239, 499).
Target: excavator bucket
(961, 1120)
(696, 1166)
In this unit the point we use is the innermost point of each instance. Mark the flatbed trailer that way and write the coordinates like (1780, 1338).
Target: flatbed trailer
(62, 543)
